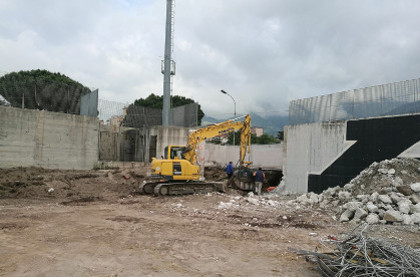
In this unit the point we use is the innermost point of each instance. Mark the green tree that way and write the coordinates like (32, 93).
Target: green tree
(280, 135)
(41, 89)
(237, 135)
(156, 102)
(263, 139)
(266, 139)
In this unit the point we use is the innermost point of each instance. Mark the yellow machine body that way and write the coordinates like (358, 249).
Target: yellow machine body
(179, 161)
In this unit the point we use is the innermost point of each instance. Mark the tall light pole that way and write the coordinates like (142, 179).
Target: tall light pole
(234, 102)
(234, 110)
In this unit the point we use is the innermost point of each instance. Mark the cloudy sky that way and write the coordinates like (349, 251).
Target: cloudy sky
(265, 53)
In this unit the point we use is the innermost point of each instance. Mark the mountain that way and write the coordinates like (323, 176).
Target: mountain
(271, 124)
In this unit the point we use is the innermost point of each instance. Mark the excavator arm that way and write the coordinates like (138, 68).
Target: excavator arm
(219, 129)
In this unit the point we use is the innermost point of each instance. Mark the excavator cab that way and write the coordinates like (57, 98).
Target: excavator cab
(174, 166)
(175, 151)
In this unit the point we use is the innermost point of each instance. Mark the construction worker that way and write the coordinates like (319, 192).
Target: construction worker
(259, 179)
(229, 170)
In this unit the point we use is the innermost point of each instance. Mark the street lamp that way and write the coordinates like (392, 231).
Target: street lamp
(234, 102)
(234, 110)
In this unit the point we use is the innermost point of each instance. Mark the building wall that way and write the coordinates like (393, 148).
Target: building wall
(166, 136)
(322, 155)
(108, 143)
(310, 148)
(47, 139)
(265, 156)
(258, 131)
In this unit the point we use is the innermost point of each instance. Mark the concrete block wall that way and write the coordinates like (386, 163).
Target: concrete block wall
(322, 155)
(47, 139)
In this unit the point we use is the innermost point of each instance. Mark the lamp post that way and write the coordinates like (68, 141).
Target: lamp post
(234, 110)
(234, 102)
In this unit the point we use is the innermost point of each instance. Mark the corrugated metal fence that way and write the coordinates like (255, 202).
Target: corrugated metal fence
(382, 100)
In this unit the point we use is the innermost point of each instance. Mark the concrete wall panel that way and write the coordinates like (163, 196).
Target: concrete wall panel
(266, 156)
(412, 152)
(310, 148)
(168, 136)
(322, 155)
(47, 139)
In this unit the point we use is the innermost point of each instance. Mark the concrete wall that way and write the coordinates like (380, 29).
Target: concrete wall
(322, 155)
(121, 144)
(266, 156)
(108, 143)
(47, 139)
(166, 136)
(310, 148)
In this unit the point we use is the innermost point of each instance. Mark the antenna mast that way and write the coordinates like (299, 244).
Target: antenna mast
(168, 65)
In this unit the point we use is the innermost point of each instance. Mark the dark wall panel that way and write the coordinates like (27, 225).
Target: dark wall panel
(377, 139)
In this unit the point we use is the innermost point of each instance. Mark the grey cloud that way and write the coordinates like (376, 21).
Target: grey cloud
(265, 53)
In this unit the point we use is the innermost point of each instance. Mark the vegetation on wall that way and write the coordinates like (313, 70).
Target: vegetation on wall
(156, 102)
(41, 89)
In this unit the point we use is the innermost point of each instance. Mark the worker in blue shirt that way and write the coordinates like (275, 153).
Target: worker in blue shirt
(259, 179)
(229, 170)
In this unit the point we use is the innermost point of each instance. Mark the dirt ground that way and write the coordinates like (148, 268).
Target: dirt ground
(95, 223)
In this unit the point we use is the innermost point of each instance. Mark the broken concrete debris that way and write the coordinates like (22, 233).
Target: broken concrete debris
(249, 199)
(415, 187)
(386, 192)
(357, 254)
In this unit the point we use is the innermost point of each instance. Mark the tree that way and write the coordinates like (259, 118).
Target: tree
(41, 89)
(156, 102)
(263, 139)
(280, 135)
(237, 135)
(266, 139)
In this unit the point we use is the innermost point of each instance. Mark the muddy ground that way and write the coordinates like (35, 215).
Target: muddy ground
(95, 223)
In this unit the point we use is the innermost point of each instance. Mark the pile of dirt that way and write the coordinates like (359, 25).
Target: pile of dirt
(69, 185)
(18, 182)
(214, 173)
(386, 192)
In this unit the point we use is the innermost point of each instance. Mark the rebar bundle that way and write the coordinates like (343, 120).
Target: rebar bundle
(360, 255)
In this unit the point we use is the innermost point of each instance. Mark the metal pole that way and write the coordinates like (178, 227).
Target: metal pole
(36, 103)
(234, 102)
(167, 66)
(234, 110)
(68, 96)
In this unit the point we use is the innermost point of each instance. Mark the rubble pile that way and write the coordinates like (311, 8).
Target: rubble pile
(358, 254)
(250, 198)
(386, 192)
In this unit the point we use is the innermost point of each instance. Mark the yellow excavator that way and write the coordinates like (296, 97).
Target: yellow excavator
(177, 173)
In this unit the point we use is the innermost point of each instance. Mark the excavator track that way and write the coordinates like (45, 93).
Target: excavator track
(148, 187)
(181, 188)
